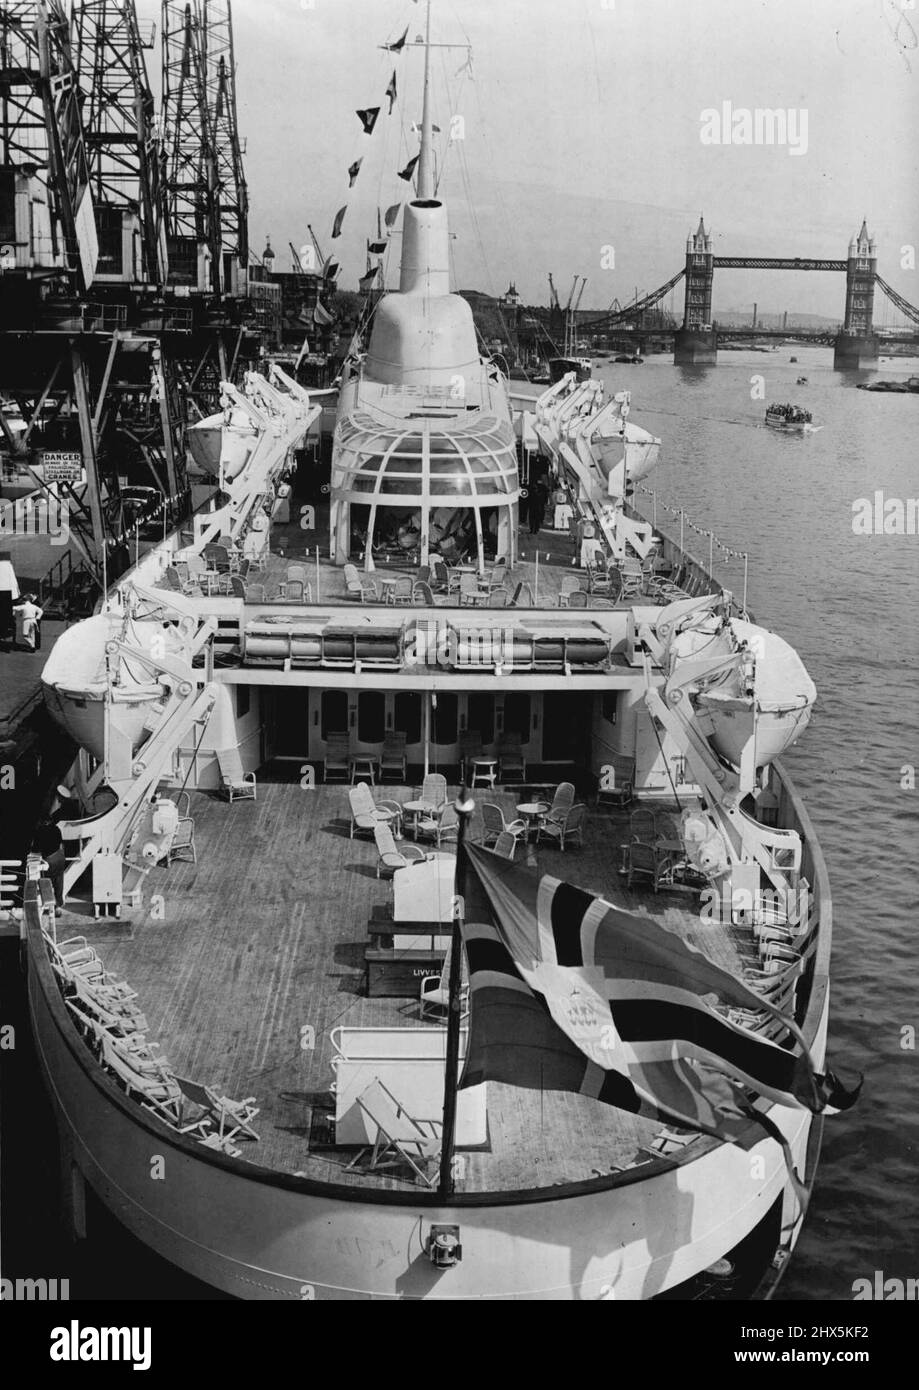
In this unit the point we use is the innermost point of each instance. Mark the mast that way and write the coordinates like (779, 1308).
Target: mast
(426, 157)
(464, 806)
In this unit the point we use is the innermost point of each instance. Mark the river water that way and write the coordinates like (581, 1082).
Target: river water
(849, 604)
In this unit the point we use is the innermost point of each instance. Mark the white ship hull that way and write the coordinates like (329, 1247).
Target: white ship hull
(256, 1235)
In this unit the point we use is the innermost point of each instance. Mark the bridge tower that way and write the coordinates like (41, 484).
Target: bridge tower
(857, 345)
(695, 344)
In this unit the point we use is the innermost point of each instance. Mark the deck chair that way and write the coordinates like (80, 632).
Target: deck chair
(337, 763)
(119, 1016)
(434, 792)
(366, 813)
(562, 802)
(399, 1137)
(618, 785)
(422, 595)
(237, 785)
(443, 829)
(642, 861)
(439, 577)
(497, 577)
(512, 763)
(470, 747)
(633, 579)
(217, 557)
(505, 845)
(568, 826)
(579, 599)
(571, 584)
(435, 989)
(183, 842)
(391, 856)
(297, 591)
(471, 591)
(359, 585)
(231, 1117)
(392, 758)
(157, 1090)
(495, 824)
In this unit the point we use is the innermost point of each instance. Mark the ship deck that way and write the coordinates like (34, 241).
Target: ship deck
(543, 561)
(234, 955)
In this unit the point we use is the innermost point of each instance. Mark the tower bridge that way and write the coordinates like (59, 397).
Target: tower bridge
(855, 346)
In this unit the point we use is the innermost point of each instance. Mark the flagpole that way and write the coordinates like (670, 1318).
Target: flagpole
(425, 171)
(464, 806)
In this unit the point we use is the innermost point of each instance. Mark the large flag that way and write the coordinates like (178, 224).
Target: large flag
(391, 92)
(391, 214)
(409, 169)
(399, 44)
(321, 316)
(339, 218)
(353, 171)
(366, 281)
(368, 118)
(572, 993)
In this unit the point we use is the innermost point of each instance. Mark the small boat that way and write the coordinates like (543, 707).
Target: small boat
(630, 357)
(802, 381)
(561, 366)
(792, 359)
(789, 417)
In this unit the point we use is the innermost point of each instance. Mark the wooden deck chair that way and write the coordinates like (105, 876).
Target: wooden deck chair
(337, 763)
(119, 1015)
(231, 1117)
(435, 989)
(391, 856)
(399, 1137)
(237, 785)
(402, 590)
(392, 758)
(422, 595)
(183, 842)
(158, 1093)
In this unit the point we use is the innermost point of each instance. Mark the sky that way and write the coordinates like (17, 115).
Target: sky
(582, 147)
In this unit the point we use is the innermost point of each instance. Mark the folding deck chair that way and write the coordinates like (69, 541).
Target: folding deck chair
(399, 1137)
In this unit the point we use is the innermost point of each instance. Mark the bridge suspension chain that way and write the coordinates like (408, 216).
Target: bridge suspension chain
(909, 310)
(648, 302)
